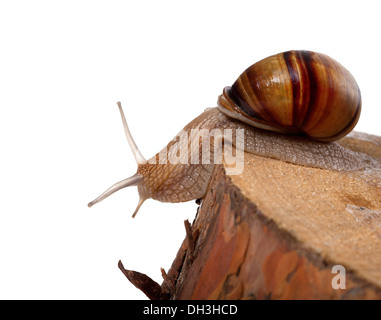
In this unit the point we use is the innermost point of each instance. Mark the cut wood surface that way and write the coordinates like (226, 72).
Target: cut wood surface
(276, 231)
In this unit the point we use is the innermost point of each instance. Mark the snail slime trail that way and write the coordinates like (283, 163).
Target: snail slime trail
(291, 106)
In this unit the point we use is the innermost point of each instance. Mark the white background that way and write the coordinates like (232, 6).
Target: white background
(63, 67)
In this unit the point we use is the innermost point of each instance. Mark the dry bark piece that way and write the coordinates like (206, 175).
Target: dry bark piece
(141, 281)
(167, 285)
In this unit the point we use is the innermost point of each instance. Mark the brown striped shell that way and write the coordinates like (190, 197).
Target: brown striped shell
(296, 92)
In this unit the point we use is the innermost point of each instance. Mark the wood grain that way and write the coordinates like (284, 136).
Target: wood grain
(276, 231)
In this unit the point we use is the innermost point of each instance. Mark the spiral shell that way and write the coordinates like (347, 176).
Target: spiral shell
(298, 92)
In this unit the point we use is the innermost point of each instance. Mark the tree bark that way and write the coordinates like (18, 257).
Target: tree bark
(282, 231)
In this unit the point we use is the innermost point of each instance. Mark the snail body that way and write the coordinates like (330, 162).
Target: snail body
(290, 107)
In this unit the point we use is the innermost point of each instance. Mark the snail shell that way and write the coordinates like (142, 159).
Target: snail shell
(296, 92)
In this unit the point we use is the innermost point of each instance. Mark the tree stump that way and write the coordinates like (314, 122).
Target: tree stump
(282, 231)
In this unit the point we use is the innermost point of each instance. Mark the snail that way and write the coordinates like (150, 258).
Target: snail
(291, 106)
